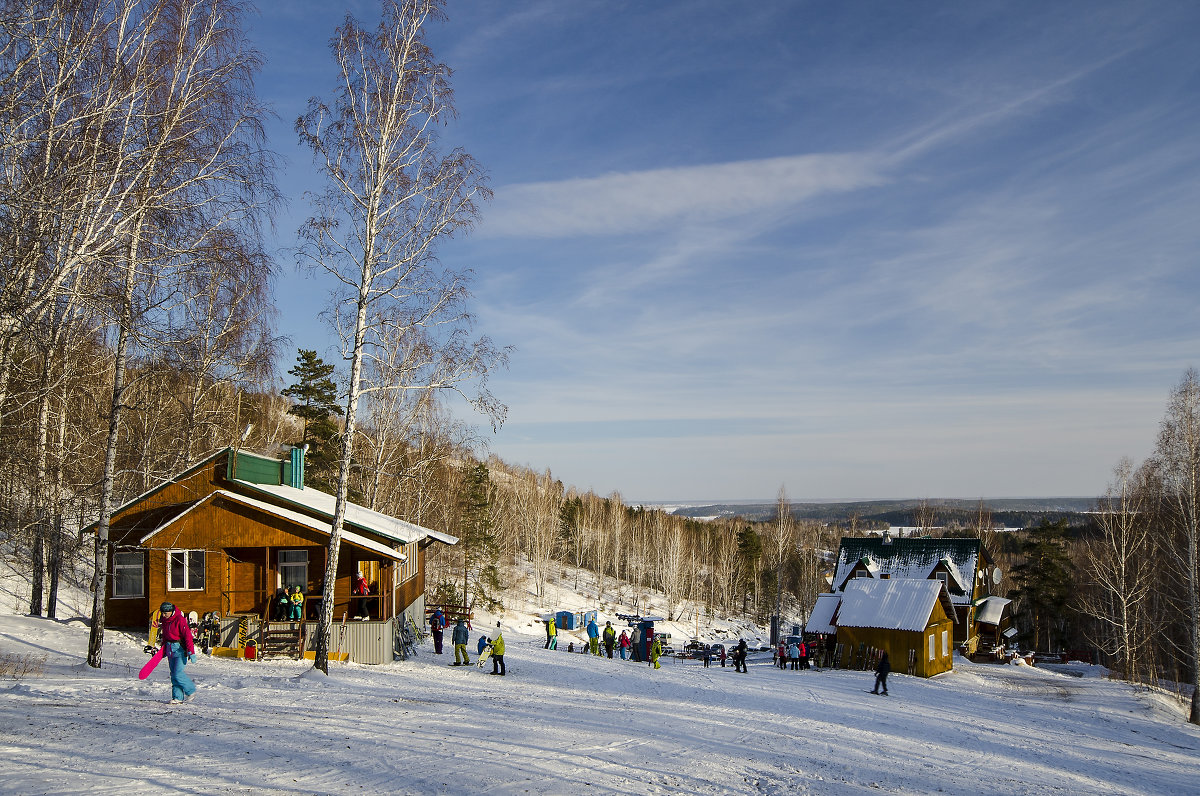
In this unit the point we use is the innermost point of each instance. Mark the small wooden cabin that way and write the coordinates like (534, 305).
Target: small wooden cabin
(899, 616)
(226, 534)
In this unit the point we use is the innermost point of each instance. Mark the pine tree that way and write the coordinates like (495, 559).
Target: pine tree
(1046, 580)
(481, 578)
(316, 396)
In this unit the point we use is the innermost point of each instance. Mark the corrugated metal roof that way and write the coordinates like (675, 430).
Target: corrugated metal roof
(323, 503)
(821, 619)
(287, 514)
(889, 604)
(914, 559)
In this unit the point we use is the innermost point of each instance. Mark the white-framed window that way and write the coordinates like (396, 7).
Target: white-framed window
(185, 570)
(943, 577)
(862, 573)
(293, 569)
(932, 646)
(128, 575)
(945, 643)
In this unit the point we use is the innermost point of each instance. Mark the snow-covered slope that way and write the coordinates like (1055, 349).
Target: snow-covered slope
(570, 724)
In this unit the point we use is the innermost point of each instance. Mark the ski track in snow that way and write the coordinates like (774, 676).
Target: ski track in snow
(562, 723)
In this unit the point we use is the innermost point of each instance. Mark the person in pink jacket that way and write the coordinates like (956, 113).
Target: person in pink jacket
(179, 647)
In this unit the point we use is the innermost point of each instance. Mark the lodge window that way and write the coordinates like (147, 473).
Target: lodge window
(185, 570)
(405, 569)
(945, 643)
(932, 647)
(943, 577)
(128, 571)
(293, 569)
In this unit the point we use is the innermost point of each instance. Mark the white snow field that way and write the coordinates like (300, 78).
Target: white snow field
(562, 723)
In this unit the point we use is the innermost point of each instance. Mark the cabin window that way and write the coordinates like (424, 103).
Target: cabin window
(862, 573)
(128, 580)
(406, 569)
(185, 570)
(945, 643)
(943, 577)
(293, 569)
(933, 647)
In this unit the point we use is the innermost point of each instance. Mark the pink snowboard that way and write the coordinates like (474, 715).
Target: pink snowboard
(150, 664)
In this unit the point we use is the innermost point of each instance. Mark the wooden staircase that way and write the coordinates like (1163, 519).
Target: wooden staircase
(282, 640)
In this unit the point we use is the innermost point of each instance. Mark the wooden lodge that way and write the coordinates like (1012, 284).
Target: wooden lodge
(962, 565)
(225, 535)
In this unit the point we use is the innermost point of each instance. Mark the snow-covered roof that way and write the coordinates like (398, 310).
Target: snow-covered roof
(990, 610)
(823, 613)
(891, 604)
(360, 516)
(283, 513)
(914, 559)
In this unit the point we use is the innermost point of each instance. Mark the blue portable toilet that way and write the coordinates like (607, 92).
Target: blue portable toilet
(647, 628)
(564, 620)
(589, 616)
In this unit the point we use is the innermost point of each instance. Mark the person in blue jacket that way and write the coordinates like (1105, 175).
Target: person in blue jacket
(593, 637)
(436, 623)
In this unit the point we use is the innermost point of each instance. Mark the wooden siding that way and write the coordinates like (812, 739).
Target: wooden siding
(899, 642)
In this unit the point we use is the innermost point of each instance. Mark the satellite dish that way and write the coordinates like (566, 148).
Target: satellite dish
(996, 575)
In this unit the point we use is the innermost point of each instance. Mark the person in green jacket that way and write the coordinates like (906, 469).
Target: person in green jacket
(610, 638)
(498, 652)
(655, 652)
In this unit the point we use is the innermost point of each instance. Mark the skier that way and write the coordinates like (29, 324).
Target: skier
(610, 638)
(881, 672)
(498, 652)
(180, 649)
(551, 634)
(436, 623)
(460, 638)
(624, 643)
(593, 637)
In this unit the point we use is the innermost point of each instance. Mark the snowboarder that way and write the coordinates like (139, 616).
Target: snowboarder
(593, 637)
(610, 638)
(296, 604)
(436, 623)
(623, 642)
(551, 634)
(176, 636)
(481, 645)
(498, 652)
(656, 652)
(460, 637)
(881, 672)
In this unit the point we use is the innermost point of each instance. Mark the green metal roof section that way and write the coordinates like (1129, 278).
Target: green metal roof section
(255, 469)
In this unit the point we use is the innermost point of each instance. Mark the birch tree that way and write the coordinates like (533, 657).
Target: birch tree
(1178, 461)
(391, 197)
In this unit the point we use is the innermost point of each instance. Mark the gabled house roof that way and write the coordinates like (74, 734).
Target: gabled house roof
(914, 559)
(894, 604)
(990, 611)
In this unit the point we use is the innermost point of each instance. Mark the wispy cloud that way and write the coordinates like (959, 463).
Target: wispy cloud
(635, 202)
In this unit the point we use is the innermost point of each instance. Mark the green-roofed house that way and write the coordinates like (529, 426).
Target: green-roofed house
(226, 534)
(963, 565)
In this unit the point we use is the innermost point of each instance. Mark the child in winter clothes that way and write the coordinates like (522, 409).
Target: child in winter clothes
(179, 648)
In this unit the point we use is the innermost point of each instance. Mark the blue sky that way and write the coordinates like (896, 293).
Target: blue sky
(861, 249)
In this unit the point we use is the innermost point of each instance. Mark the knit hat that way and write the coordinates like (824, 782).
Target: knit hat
(166, 607)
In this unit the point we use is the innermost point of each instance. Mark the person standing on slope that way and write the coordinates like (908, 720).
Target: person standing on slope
(179, 648)
(655, 652)
(498, 652)
(739, 656)
(436, 623)
(881, 672)
(610, 638)
(593, 636)
(624, 643)
(551, 634)
(460, 637)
